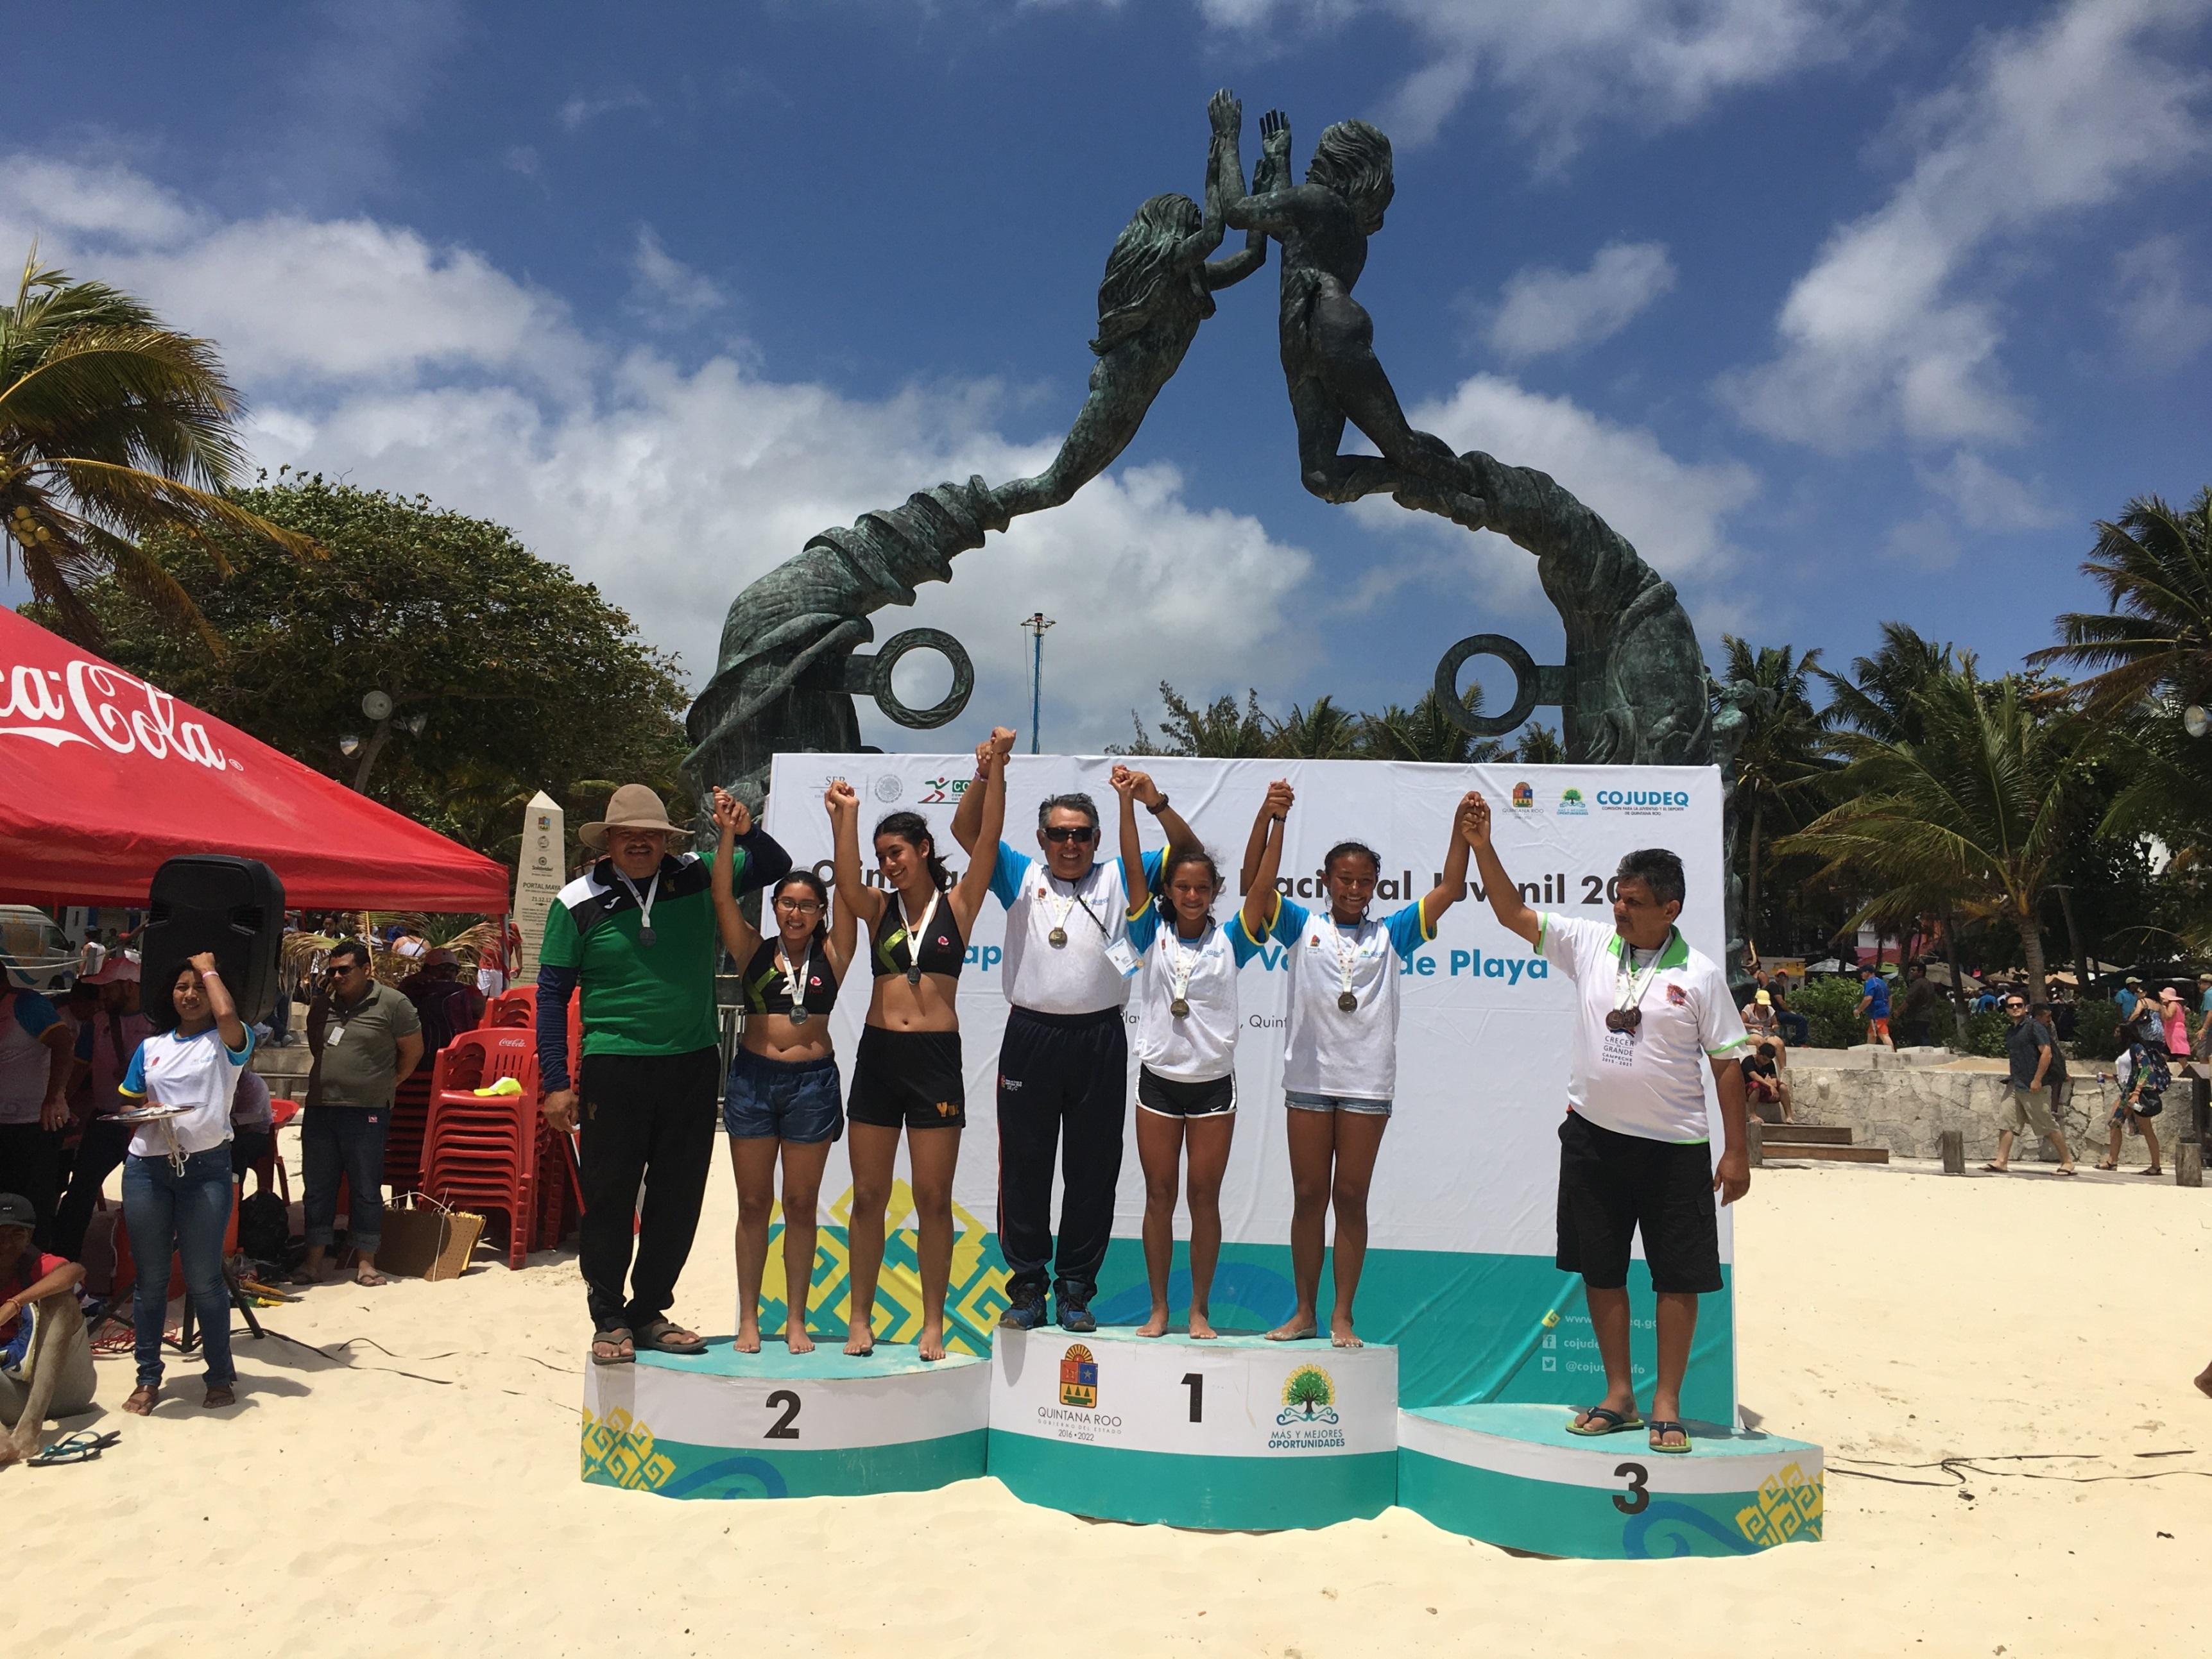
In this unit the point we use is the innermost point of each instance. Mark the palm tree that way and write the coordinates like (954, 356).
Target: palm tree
(1784, 748)
(1320, 731)
(1879, 698)
(111, 426)
(1539, 745)
(1425, 732)
(2155, 565)
(1972, 811)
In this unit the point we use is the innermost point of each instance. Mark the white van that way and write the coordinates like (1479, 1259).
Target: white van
(35, 952)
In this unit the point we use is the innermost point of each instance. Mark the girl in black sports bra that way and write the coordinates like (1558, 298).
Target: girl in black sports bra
(907, 1073)
(781, 1100)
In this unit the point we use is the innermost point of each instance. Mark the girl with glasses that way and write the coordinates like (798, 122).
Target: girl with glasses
(908, 1073)
(781, 1102)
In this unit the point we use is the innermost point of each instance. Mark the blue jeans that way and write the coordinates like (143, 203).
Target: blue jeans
(179, 1215)
(347, 1142)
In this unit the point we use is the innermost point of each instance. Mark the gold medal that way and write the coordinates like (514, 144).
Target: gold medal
(1346, 1001)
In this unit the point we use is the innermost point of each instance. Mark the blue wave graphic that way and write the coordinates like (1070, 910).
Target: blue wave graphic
(1636, 1540)
(1240, 1288)
(748, 1477)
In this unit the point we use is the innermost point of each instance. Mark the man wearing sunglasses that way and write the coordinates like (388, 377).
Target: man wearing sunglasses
(1064, 1062)
(1652, 1017)
(367, 1040)
(2030, 1052)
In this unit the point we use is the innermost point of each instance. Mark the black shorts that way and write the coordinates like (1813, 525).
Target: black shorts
(1171, 1097)
(1611, 1185)
(909, 1079)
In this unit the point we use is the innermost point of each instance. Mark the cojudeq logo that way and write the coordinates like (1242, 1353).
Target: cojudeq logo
(90, 703)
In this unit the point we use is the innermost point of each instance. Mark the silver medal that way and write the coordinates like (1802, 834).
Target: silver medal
(645, 933)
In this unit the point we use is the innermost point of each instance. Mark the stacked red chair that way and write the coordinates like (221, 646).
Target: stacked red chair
(482, 1152)
(402, 1140)
(513, 1008)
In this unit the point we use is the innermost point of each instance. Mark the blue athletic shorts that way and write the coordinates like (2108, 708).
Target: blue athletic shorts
(782, 1099)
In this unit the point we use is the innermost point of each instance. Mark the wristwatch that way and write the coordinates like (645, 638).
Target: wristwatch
(1158, 806)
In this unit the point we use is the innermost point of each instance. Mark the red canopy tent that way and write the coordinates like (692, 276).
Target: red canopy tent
(103, 776)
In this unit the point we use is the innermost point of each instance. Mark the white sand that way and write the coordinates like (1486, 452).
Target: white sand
(426, 1500)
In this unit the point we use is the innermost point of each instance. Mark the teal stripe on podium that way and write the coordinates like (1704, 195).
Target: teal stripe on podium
(1547, 1518)
(856, 1472)
(1229, 1494)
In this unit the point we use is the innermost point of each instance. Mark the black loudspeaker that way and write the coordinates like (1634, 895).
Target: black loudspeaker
(208, 901)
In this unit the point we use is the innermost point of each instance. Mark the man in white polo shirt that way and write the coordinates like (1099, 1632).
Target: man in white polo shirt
(1652, 1017)
(1064, 1061)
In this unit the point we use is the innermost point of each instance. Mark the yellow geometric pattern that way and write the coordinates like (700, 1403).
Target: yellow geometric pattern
(974, 1299)
(620, 1448)
(1787, 1504)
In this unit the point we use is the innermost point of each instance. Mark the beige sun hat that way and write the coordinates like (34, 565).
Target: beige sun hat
(634, 805)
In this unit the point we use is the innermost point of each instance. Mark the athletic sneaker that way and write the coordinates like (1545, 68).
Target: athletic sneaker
(1076, 1315)
(1025, 1312)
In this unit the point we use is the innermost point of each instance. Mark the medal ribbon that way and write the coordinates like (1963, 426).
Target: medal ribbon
(644, 904)
(1180, 966)
(1624, 983)
(795, 983)
(914, 935)
(1345, 961)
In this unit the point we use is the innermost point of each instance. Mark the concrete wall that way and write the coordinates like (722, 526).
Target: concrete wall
(1905, 1107)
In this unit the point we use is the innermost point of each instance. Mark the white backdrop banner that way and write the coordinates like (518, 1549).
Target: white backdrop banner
(1462, 1211)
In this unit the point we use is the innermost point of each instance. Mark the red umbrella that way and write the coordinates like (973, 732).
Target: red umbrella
(103, 776)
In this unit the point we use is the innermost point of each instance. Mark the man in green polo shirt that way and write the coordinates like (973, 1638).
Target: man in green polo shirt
(636, 935)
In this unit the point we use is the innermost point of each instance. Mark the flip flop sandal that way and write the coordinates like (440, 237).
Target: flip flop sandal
(79, 1448)
(1662, 1427)
(612, 1336)
(666, 1336)
(1609, 1421)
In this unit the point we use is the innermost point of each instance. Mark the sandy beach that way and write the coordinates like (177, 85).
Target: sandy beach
(400, 1476)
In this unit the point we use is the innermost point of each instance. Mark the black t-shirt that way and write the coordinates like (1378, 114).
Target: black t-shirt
(2022, 1043)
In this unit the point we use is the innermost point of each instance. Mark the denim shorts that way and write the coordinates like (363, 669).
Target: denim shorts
(1299, 1101)
(782, 1099)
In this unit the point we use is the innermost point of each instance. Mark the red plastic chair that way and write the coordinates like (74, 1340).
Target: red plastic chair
(268, 1171)
(511, 1008)
(126, 1265)
(482, 1151)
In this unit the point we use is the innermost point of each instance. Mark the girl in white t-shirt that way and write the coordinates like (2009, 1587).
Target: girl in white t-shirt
(1340, 1059)
(1185, 1004)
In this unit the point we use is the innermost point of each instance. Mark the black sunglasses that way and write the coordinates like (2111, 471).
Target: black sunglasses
(1063, 835)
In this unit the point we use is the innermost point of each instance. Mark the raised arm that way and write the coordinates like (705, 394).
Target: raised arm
(1228, 179)
(1150, 796)
(850, 892)
(967, 811)
(844, 918)
(1227, 116)
(740, 937)
(1270, 213)
(219, 1003)
(1133, 843)
(1451, 886)
(1506, 904)
(1269, 832)
(1277, 805)
(974, 883)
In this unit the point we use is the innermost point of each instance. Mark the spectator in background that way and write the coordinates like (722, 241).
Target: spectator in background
(2030, 1051)
(45, 1358)
(2174, 1021)
(2144, 1092)
(1874, 1007)
(366, 1041)
(37, 1060)
(252, 1126)
(2204, 994)
(2057, 1080)
(104, 1051)
(446, 1007)
(1796, 1027)
(2129, 995)
(1759, 1019)
(1922, 998)
(1766, 1079)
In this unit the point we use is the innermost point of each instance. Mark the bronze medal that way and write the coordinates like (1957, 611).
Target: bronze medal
(1180, 1007)
(1346, 1001)
(1057, 938)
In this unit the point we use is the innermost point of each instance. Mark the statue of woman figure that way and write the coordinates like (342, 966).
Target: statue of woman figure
(1160, 286)
(1328, 337)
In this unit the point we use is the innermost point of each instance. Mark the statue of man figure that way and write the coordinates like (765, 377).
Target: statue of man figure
(1328, 337)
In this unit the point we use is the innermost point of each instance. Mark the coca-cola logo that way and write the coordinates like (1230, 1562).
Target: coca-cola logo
(92, 704)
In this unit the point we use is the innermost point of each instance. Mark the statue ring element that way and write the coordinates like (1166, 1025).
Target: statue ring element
(1532, 686)
(871, 676)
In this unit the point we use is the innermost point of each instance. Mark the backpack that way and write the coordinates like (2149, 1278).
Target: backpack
(264, 1228)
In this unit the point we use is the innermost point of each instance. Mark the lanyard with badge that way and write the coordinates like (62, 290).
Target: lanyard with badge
(1628, 989)
(644, 904)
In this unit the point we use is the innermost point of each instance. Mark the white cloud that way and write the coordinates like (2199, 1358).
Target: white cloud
(580, 111)
(666, 290)
(1674, 511)
(1566, 67)
(1880, 336)
(1988, 498)
(2162, 325)
(373, 352)
(1544, 309)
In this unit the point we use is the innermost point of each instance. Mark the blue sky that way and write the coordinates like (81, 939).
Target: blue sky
(1844, 311)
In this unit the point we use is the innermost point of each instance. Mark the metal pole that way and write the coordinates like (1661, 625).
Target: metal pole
(1036, 626)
